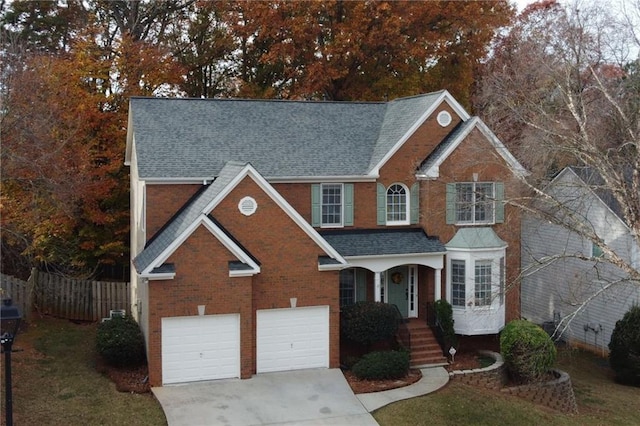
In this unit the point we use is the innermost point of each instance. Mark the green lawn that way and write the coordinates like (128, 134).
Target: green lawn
(55, 381)
(600, 402)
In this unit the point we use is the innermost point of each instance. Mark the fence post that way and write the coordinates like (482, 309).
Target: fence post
(30, 293)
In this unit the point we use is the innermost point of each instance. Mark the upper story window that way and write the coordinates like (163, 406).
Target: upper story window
(397, 205)
(332, 205)
(475, 203)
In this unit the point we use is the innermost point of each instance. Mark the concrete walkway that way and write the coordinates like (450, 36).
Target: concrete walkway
(433, 378)
(303, 397)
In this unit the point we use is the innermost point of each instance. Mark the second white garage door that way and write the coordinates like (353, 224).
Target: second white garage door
(200, 348)
(292, 339)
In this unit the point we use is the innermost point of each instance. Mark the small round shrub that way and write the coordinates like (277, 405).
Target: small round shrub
(382, 365)
(120, 342)
(527, 350)
(368, 322)
(624, 348)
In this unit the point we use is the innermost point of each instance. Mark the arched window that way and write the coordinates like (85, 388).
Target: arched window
(397, 205)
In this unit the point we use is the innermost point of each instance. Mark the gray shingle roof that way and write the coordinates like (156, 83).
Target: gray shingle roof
(194, 138)
(185, 217)
(378, 242)
(443, 146)
(594, 180)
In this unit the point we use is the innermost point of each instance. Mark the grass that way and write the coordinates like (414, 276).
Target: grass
(55, 381)
(600, 400)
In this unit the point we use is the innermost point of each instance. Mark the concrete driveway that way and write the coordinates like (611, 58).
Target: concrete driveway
(304, 397)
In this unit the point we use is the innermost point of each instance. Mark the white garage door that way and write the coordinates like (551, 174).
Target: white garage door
(200, 348)
(292, 339)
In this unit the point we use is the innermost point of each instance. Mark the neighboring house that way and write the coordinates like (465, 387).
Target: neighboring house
(558, 276)
(267, 216)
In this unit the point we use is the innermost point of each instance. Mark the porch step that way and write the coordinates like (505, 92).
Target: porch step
(425, 349)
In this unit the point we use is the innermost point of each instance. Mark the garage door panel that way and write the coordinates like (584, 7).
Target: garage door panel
(291, 339)
(200, 348)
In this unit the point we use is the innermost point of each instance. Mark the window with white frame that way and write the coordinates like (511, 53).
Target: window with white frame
(476, 282)
(332, 204)
(458, 277)
(474, 202)
(397, 204)
(483, 279)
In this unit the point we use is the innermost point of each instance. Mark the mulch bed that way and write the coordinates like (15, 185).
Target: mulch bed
(463, 361)
(135, 380)
(130, 380)
(366, 386)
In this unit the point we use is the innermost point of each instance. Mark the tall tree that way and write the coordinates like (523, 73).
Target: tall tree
(343, 50)
(562, 89)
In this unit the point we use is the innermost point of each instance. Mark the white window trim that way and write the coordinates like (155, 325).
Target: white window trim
(332, 225)
(407, 206)
(470, 258)
(473, 221)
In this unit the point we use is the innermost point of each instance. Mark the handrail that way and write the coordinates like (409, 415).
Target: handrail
(402, 333)
(434, 323)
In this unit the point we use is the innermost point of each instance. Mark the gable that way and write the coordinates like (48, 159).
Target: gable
(404, 117)
(197, 213)
(430, 169)
(585, 193)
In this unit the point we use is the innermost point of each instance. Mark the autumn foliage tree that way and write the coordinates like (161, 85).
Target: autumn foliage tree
(340, 50)
(562, 89)
(64, 190)
(70, 67)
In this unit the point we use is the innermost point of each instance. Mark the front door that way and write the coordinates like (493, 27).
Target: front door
(401, 289)
(397, 289)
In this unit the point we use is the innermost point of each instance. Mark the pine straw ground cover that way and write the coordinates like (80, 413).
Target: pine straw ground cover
(56, 380)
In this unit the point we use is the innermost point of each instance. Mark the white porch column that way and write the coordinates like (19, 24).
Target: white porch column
(437, 284)
(377, 287)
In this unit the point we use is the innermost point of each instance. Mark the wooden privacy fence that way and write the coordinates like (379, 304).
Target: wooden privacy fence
(19, 291)
(69, 298)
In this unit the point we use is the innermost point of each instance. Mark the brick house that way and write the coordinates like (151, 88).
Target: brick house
(254, 221)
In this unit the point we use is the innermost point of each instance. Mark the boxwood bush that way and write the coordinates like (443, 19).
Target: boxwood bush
(120, 342)
(382, 365)
(527, 350)
(624, 348)
(368, 322)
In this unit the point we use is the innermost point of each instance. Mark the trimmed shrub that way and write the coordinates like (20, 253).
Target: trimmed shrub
(527, 350)
(444, 317)
(120, 342)
(382, 365)
(368, 322)
(624, 348)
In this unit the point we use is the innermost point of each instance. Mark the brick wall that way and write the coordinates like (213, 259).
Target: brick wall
(163, 201)
(287, 255)
(202, 278)
(476, 155)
